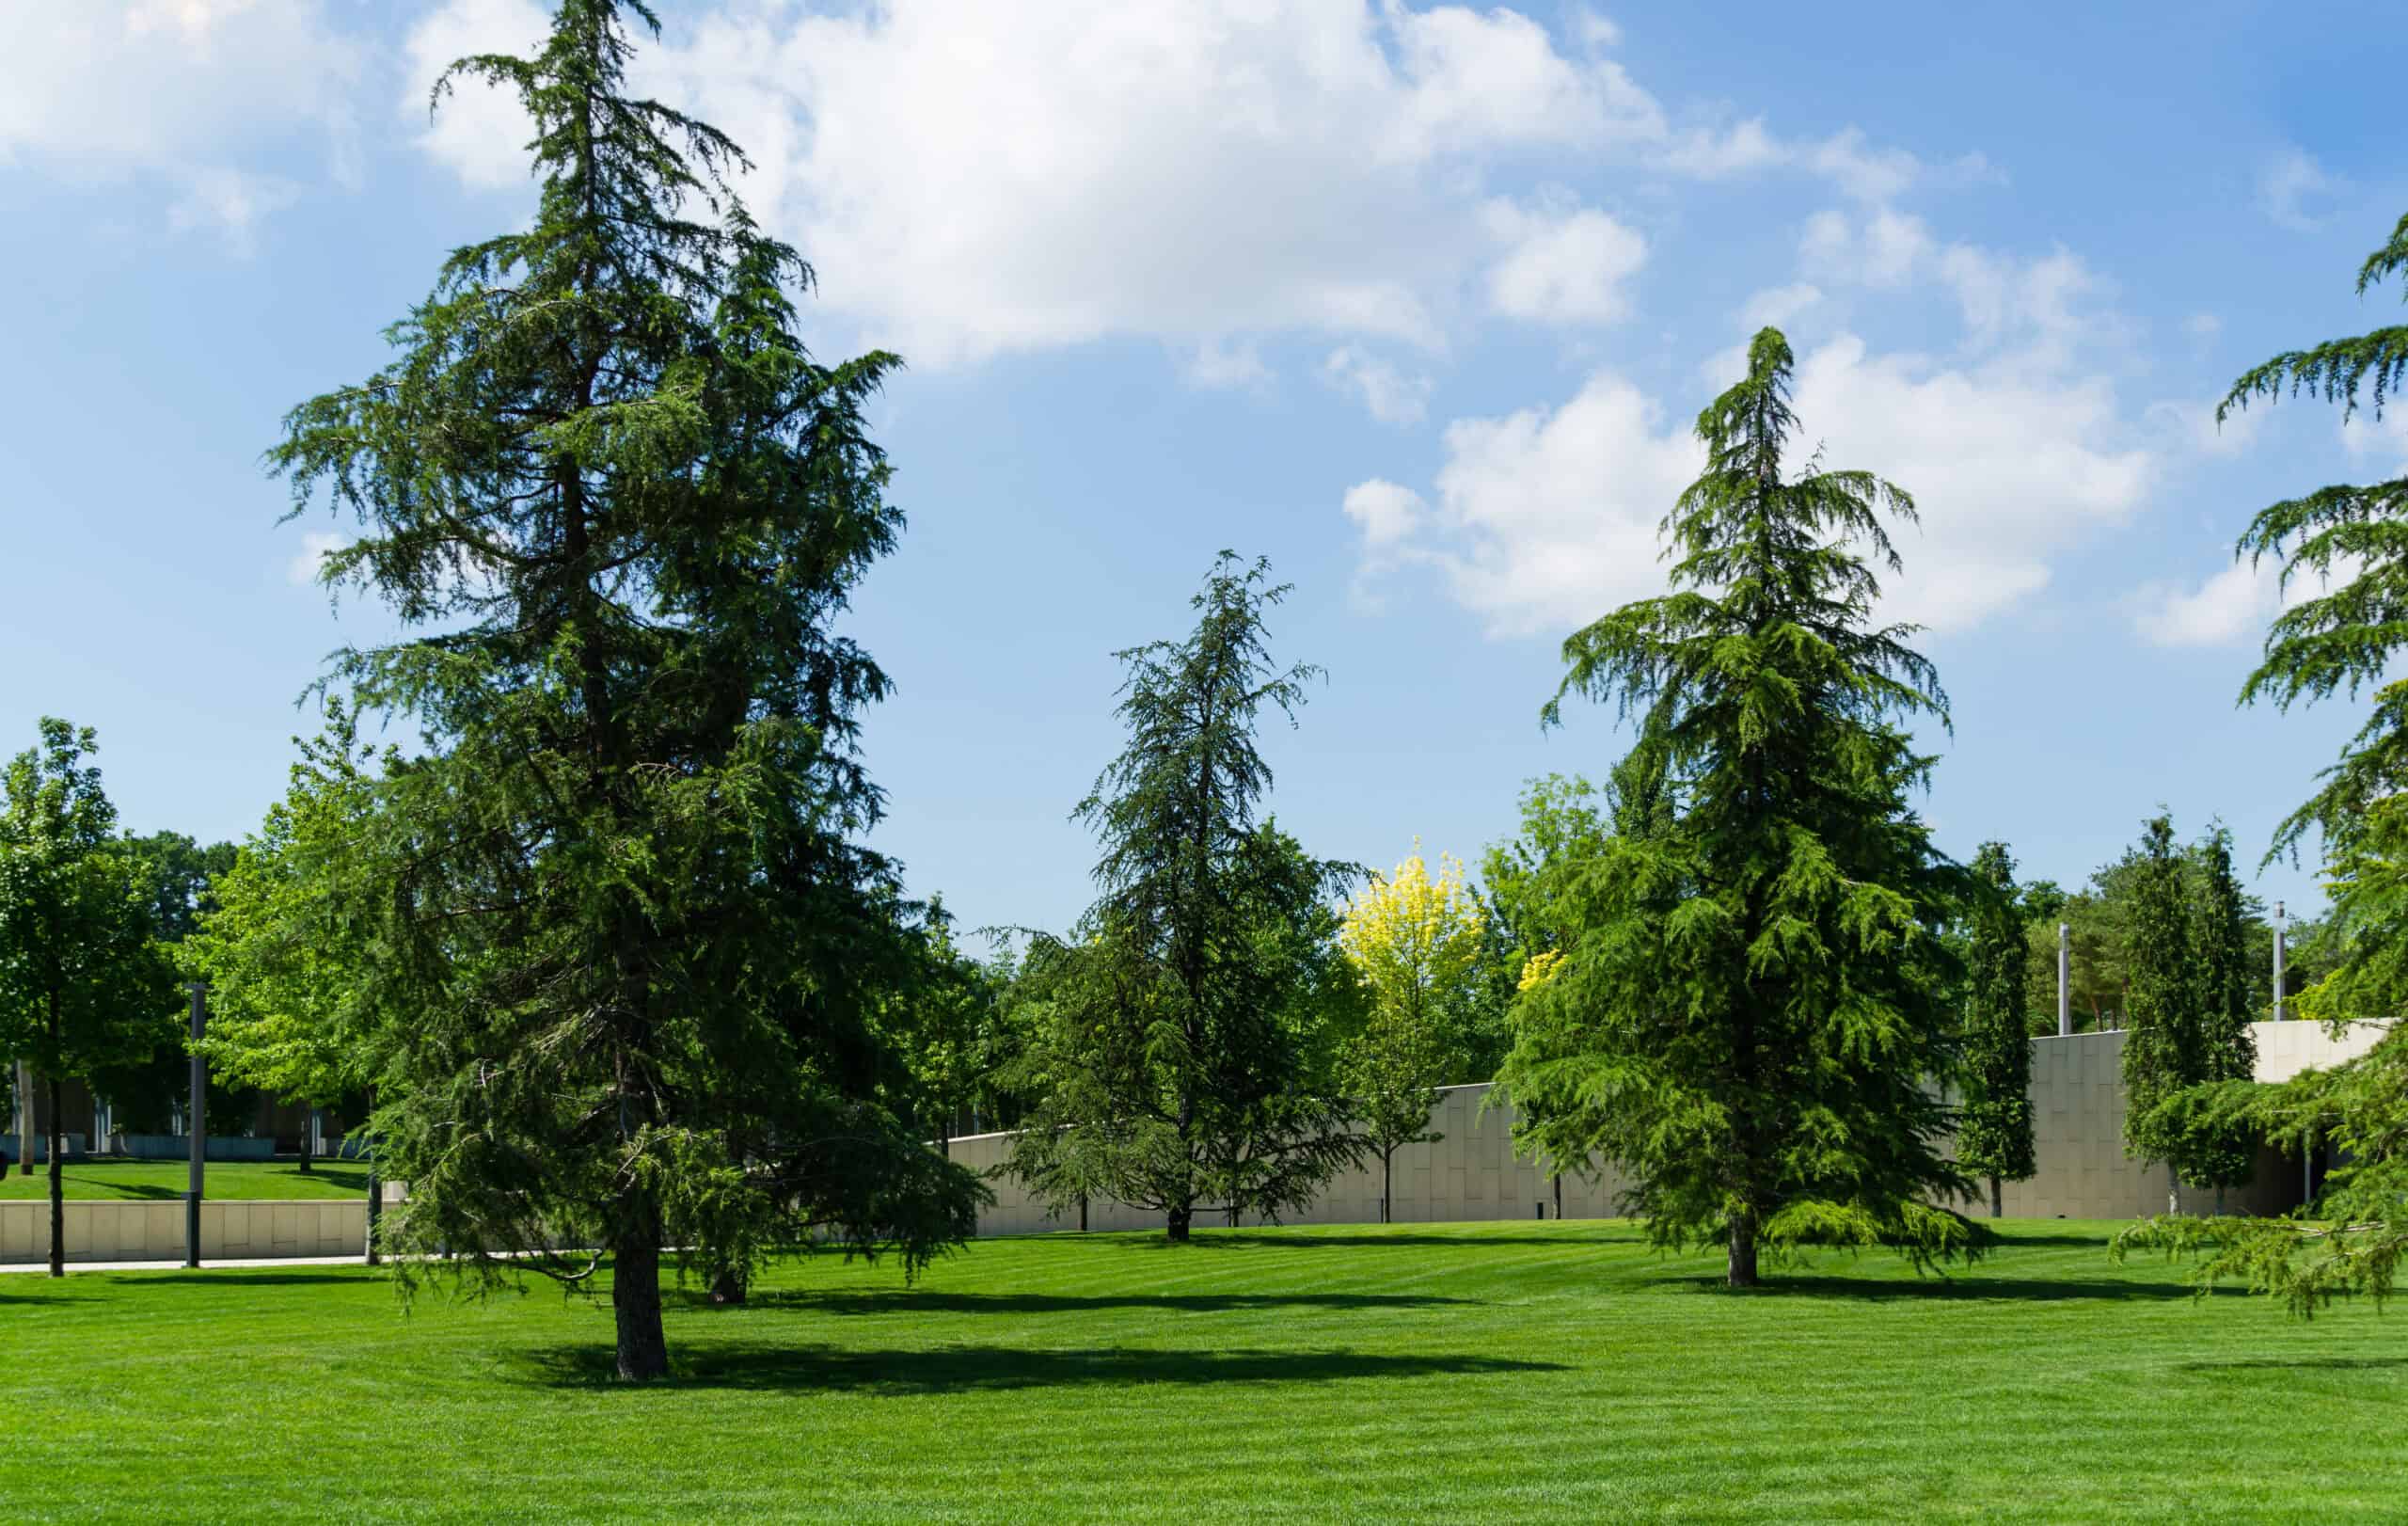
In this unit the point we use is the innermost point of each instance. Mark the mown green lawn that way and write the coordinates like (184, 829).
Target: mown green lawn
(1483, 1373)
(164, 1179)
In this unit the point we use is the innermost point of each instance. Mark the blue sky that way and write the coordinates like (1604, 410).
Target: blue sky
(1415, 301)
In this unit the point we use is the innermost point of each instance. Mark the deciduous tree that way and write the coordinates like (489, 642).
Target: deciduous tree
(82, 984)
(1416, 943)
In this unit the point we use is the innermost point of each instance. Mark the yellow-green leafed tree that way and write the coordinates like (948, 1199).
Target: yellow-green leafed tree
(1414, 942)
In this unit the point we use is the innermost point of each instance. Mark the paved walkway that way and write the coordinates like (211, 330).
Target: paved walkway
(75, 1266)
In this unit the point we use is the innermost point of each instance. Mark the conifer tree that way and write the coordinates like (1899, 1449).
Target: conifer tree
(1756, 996)
(1170, 1057)
(1994, 1135)
(629, 945)
(83, 985)
(2162, 1051)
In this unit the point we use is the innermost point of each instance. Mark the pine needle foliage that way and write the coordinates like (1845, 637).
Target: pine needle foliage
(628, 944)
(2344, 641)
(1752, 1014)
(1994, 1138)
(1171, 1053)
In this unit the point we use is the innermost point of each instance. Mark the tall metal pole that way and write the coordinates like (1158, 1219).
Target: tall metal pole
(196, 1126)
(2065, 980)
(2280, 932)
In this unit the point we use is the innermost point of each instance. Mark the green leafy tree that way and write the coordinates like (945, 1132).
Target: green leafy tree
(1753, 1001)
(628, 946)
(291, 968)
(1994, 1137)
(1416, 943)
(1168, 1068)
(82, 984)
(2163, 1054)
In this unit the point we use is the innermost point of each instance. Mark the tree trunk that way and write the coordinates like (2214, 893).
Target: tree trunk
(24, 1118)
(1998, 1199)
(57, 1189)
(1387, 1183)
(2173, 1190)
(728, 1287)
(375, 1209)
(635, 1291)
(309, 1139)
(1742, 1273)
(1177, 1228)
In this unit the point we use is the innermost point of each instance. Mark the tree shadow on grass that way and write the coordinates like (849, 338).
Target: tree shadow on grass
(971, 1369)
(1306, 1239)
(926, 1302)
(1961, 1289)
(231, 1277)
(2294, 1365)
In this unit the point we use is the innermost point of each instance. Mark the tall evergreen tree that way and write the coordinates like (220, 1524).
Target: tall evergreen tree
(82, 984)
(2226, 1003)
(1170, 1060)
(2162, 1053)
(628, 944)
(1755, 1000)
(1994, 1135)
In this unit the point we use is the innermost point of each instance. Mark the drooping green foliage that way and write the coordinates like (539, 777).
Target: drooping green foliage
(83, 986)
(2344, 640)
(2350, 1241)
(628, 947)
(1994, 1133)
(1169, 1058)
(1751, 1010)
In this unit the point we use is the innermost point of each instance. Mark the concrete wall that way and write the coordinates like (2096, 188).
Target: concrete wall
(154, 1231)
(1470, 1173)
(2078, 1134)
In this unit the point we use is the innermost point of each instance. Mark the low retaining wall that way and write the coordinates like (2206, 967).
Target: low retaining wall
(154, 1231)
(2078, 1136)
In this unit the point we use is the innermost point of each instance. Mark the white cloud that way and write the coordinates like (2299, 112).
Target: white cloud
(2233, 605)
(2014, 455)
(1218, 363)
(1778, 305)
(1389, 514)
(1544, 518)
(1561, 264)
(302, 570)
(1194, 171)
(2382, 440)
(93, 91)
(2203, 325)
(479, 132)
(2287, 185)
(231, 203)
(1392, 396)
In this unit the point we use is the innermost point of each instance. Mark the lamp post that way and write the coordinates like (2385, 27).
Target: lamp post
(196, 1125)
(2281, 934)
(2065, 980)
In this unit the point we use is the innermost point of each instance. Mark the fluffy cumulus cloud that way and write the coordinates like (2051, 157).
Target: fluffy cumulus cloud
(1199, 172)
(2230, 606)
(1561, 264)
(2015, 446)
(183, 93)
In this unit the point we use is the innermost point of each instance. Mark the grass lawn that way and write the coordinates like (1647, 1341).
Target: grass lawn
(164, 1179)
(1466, 1373)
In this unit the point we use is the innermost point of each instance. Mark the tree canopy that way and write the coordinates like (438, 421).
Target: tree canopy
(1749, 1009)
(627, 941)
